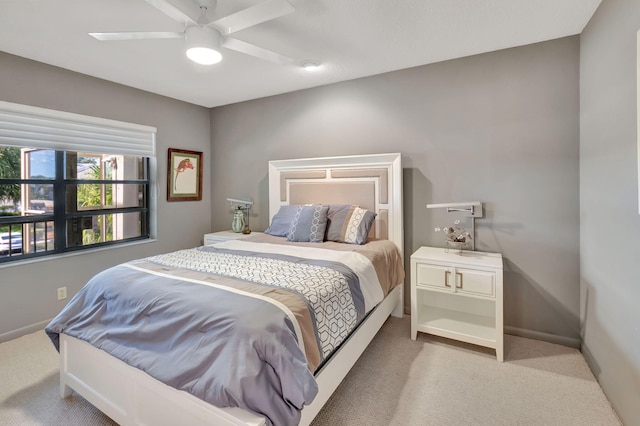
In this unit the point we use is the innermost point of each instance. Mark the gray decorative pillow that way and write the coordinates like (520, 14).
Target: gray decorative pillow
(309, 224)
(281, 221)
(349, 224)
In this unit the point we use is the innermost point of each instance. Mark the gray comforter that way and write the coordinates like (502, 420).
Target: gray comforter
(232, 327)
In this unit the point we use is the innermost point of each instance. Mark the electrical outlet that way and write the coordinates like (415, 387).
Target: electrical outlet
(62, 293)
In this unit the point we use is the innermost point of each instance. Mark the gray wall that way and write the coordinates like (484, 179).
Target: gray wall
(500, 127)
(610, 224)
(28, 291)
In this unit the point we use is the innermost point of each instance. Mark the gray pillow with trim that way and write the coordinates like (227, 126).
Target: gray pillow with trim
(349, 224)
(309, 224)
(281, 221)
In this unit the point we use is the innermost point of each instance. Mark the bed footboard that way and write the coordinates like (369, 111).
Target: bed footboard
(131, 397)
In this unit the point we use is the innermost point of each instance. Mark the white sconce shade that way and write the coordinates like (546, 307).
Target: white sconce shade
(472, 208)
(203, 45)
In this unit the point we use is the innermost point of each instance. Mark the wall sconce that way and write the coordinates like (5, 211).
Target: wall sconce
(246, 207)
(472, 208)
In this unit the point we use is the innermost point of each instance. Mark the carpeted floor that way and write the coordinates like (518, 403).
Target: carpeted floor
(431, 381)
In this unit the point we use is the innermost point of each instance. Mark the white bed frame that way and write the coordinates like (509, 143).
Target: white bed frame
(131, 397)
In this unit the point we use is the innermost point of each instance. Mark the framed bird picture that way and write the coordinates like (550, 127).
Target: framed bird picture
(184, 175)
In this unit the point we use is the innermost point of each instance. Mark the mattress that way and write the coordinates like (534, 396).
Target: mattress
(241, 323)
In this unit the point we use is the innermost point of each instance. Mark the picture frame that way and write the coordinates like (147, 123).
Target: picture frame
(184, 175)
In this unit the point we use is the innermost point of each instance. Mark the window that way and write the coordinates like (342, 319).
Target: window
(66, 194)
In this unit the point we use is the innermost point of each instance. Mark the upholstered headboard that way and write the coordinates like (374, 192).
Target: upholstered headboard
(372, 181)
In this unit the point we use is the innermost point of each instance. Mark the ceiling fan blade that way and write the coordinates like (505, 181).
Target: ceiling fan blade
(172, 11)
(134, 35)
(258, 52)
(265, 11)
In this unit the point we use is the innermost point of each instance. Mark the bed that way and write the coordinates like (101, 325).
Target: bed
(130, 395)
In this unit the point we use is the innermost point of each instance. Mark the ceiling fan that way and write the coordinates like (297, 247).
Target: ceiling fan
(204, 38)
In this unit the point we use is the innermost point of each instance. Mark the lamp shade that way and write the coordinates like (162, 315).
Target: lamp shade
(203, 45)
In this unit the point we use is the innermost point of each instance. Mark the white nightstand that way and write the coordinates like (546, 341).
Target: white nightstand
(458, 296)
(216, 237)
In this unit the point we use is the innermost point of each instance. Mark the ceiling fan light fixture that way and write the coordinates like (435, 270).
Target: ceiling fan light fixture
(203, 45)
(204, 55)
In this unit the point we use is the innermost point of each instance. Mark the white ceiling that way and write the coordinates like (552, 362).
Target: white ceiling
(351, 39)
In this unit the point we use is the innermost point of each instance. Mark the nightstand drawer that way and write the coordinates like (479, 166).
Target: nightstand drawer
(467, 281)
(476, 282)
(431, 276)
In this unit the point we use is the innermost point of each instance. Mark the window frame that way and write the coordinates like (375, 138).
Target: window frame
(25, 126)
(60, 215)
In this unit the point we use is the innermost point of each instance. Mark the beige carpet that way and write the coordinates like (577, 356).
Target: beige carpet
(397, 381)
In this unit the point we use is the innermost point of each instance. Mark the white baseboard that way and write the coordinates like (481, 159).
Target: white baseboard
(546, 337)
(14, 334)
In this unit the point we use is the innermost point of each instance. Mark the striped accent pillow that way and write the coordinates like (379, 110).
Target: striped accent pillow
(349, 224)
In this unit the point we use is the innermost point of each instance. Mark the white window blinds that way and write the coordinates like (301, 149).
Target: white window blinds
(32, 127)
